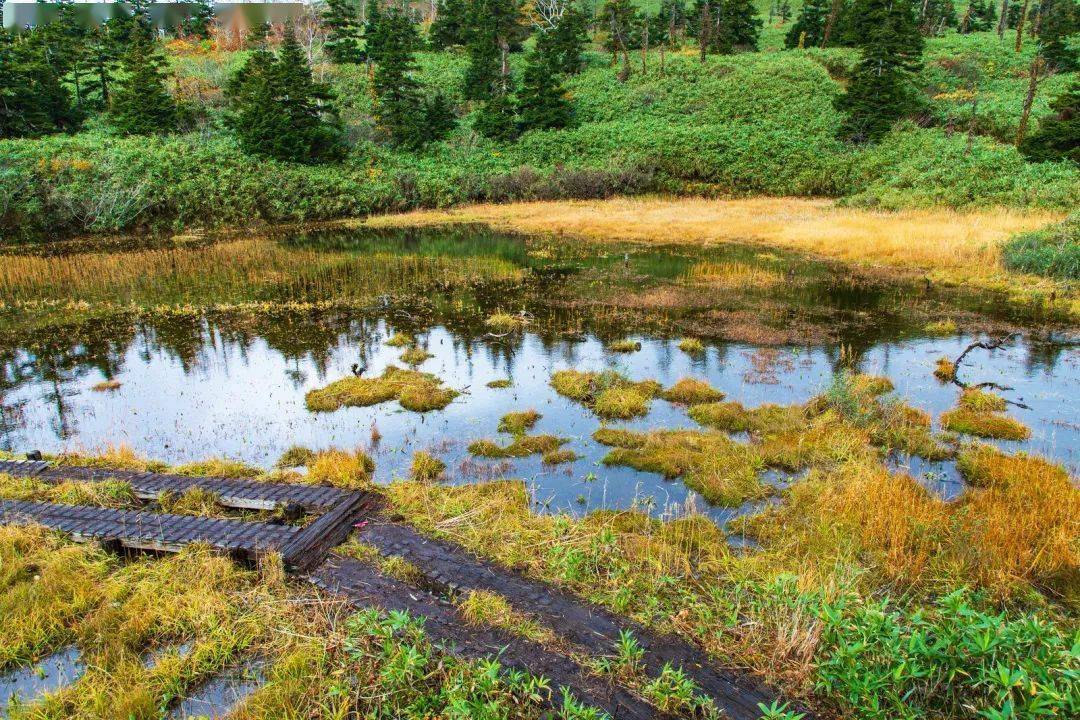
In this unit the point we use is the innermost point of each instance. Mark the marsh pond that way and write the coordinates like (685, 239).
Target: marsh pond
(443, 340)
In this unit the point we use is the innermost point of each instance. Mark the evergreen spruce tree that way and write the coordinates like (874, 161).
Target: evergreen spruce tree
(439, 117)
(141, 104)
(811, 21)
(563, 45)
(33, 101)
(201, 20)
(881, 90)
(278, 110)
(398, 106)
(343, 39)
(493, 26)
(450, 25)
(738, 27)
(496, 118)
(979, 16)
(542, 102)
(1058, 136)
(1061, 19)
(373, 36)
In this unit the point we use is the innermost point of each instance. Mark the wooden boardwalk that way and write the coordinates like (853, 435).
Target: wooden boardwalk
(301, 547)
(238, 493)
(149, 530)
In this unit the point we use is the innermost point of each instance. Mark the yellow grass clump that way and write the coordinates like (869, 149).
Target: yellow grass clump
(517, 423)
(416, 391)
(608, 394)
(503, 322)
(399, 340)
(426, 467)
(624, 346)
(945, 370)
(415, 355)
(983, 423)
(722, 471)
(982, 401)
(764, 420)
(106, 386)
(341, 468)
(941, 328)
(103, 493)
(692, 346)
(691, 391)
(522, 446)
(734, 276)
(617, 437)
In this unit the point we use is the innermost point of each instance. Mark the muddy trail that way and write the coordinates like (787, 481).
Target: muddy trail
(446, 570)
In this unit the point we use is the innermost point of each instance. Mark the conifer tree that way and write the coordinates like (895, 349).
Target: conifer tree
(201, 20)
(278, 110)
(563, 45)
(1058, 136)
(936, 16)
(141, 104)
(398, 107)
(1060, 20)
(979, 16)
(739, 26)
(33, 101)
(450, 25)
(881, 90)
(542, 102)
(496, 118)
(343, 39)
(809, 29)
(494, 25)
(373, 31)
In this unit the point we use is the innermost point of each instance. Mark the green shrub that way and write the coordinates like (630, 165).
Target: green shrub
(1052, 251)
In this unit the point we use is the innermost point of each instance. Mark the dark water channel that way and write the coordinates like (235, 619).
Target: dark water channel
(194, 384)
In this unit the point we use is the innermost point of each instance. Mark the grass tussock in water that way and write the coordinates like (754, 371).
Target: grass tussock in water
(617, 437)
(984, 423)
(691, 391)
(106, 386)
(218, 467)
(426, 467)
(692, 346)
(416, 391)
(500, 384)
(399, 340)
(503, 322)
(764, 420)
(945, 370)
(624, 346)
(608, 394)
(522, 446)
(415, 356)
(517, 423)
(295, 456)
(982, 401)
(559, 456)
(941, 328)
(722, 471)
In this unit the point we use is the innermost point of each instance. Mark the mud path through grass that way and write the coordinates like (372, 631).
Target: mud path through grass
(588, 626)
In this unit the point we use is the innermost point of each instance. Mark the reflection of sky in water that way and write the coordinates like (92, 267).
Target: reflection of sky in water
(246, 401)
(28, 683)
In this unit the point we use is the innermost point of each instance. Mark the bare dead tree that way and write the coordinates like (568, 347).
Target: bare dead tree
(1003, 21)
(546, 14)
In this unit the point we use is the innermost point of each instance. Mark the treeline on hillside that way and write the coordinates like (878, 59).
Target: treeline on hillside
(56, 76)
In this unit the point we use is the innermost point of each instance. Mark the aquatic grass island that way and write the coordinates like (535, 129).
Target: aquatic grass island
(492, 359)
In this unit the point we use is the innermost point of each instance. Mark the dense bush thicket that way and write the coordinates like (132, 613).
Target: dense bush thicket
(746, 123)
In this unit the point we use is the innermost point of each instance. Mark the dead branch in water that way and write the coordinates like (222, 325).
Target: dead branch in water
(989, 346)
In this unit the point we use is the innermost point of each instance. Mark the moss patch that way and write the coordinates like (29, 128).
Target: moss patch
(416, 391)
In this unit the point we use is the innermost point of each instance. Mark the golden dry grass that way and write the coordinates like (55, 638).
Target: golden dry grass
(966, 242)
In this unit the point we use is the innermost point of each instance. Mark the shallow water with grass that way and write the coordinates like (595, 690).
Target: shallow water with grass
(203, 348)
